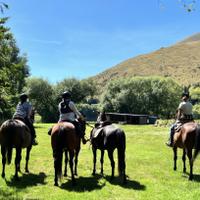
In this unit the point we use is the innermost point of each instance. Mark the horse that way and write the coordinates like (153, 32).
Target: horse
(14, 134)
(65, 138)
(187, 138)
(109, 138)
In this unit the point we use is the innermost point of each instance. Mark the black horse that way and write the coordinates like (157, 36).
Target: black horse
(109, 138)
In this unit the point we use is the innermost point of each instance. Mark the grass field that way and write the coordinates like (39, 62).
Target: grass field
(149, 169)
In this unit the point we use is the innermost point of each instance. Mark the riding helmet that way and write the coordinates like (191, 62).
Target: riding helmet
(66, 95)
(23, 96)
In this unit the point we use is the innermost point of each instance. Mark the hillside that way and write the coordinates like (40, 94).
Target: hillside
(180, 62)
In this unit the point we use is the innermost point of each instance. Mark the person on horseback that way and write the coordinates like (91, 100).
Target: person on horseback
(68, 112)
(23, 113)
(184, 114)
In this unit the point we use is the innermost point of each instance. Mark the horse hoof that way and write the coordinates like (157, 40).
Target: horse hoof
(26, 170)
(174, 168)
(65, 175)
(3, 175)
(55, 184)
(93, 173)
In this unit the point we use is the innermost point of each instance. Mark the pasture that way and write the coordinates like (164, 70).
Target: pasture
(149, 167)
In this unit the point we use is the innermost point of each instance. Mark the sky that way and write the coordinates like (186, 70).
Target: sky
(82, 38)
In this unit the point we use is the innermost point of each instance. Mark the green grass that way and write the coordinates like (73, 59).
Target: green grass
(149, 168)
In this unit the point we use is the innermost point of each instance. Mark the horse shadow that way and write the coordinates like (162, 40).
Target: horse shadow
(130, 184)
(27, 180)
(84, 184)
(196, 177)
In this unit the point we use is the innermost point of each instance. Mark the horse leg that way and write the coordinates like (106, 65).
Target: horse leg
(101, 161)
(184, 159)
(3, 153)
(76, 161)
(189, 154)
(71, 163)
(175, 157)
(110, 155)
(17, 162)
(27, 158)
(66, 161)
(56, 166)
(94, 150)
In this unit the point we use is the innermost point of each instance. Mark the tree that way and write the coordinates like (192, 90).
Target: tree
(42, 98)
(150, 95)
(13, 70)
(3, 6)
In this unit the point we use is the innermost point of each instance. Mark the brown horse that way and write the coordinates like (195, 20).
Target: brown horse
(109, 138)
(64, 137)
(188, 138)
(14, 134)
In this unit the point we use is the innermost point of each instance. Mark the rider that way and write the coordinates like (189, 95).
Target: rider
(184, 114)
(23, 113)
(68, 112)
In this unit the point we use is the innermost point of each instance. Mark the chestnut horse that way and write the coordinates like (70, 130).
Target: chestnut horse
(109, 138)
(187, 138)
(64, 138)
(14, 134)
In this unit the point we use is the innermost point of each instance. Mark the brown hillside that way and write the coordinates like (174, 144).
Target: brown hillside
(180, 61)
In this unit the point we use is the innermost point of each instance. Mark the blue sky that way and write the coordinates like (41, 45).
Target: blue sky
(81, 38)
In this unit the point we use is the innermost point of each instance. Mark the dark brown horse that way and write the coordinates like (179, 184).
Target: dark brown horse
(109, 138)
(14, 134)
(188, 138)
(64, 138)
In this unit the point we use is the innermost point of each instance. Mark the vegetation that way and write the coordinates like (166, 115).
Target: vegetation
(149, 169)
(13, 70)
(150, 95)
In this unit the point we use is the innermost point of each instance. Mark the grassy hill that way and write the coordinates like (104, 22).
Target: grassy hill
(180, 62)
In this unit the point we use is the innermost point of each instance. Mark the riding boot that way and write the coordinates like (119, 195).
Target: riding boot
(32, 131)
(170, 141)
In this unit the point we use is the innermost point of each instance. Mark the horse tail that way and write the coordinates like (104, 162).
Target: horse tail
(58, 154)
(121, 151)
(197, 142)
(8, 132)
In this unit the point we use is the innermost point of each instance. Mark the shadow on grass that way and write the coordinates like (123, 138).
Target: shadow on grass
(196, 177)
(84, 184)
(130, 184)
(27, 180)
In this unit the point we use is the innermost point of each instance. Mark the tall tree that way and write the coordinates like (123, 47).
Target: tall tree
(13, 70)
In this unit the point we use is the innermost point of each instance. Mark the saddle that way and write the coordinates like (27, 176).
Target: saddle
(99, 127)
(180, 124)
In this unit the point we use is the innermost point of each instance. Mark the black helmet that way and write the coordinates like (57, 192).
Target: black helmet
(23, 97)
(66, 95)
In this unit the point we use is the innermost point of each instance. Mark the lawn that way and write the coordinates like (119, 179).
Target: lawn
(149, 167)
